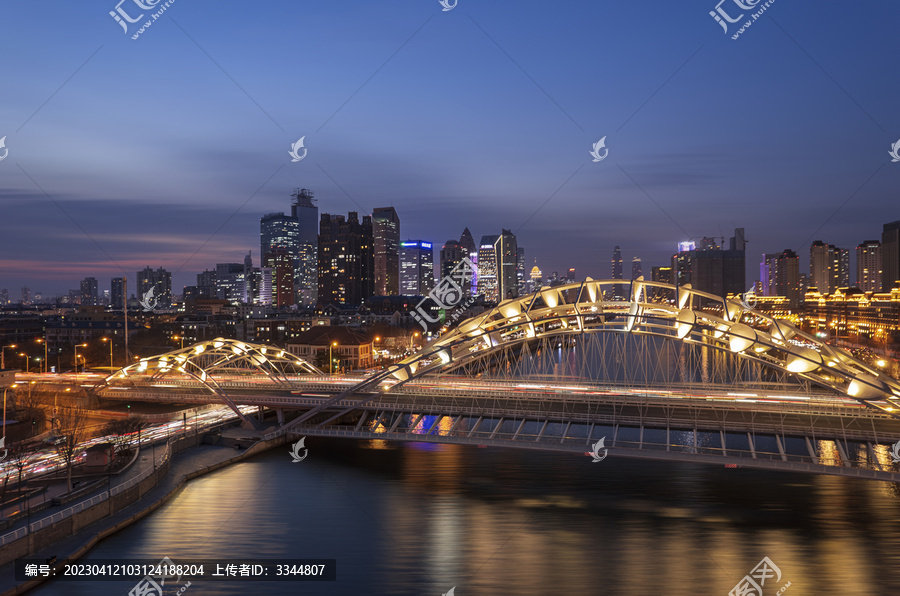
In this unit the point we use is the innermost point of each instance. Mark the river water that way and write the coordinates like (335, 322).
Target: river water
(420, 519)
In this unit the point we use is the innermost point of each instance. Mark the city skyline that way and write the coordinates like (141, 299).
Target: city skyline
(453, 119)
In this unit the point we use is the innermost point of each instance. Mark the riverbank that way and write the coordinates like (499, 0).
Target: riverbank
(186, 465)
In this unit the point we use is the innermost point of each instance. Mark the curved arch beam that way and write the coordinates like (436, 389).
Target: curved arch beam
(655, 309)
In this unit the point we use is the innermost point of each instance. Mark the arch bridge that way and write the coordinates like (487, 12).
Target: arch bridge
(663, 372)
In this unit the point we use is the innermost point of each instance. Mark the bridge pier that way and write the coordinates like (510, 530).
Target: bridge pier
(279, 415)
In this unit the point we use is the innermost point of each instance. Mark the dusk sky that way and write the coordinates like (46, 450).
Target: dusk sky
(166, 150)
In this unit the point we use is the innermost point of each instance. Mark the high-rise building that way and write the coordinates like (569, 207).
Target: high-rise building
(829, 267)
(868, 266)
(767, 269)
(280, 263)
(206, 284)
(787, 277)
(618, 291)
(4, 296)
(487, 268)
(471, 249)
(452, 253)
(231, 283)
(506, 251)
(306, 279)
(661, 275)
(159, 279)
(709, 268)
(346, 259)
(89, 296)
(522, 273)
(386, 237)
(537, 278)
(416, 268)
(117, 292)
(26, 295)
(281, 233)
(637, 269)
(890, 255)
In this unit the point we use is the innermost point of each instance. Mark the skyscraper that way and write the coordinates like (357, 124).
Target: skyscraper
(159, 279)
(487, 268)
(346, 259)
(787, 277)
(306, 279)
(280, 233)
(637, 269)
(471, 249)
(506, 250)
(708, 268)
(522, 272)
(890, 255)
(416, 268)
(280, 263)
(868, 266)
(231, 283)
(89, 295)
(829, 267)
(386, 237)
(618, 289)
(206, 284)
(452, 253)
(117, 292)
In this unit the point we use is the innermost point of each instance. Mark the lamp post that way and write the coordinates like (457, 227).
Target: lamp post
(25, 356)
(46, 362)
(110, 352)
(330, 357)
(76, 358)
(175, 337)
(3, 355)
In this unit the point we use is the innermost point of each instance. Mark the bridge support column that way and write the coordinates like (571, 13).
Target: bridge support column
(565, 431)
(843, 453)
(362, 418)
(518, 430)
(279, 415)
(722, 438)
(496, 428)
(475, 426)
(752, 447)
(543, 428)
(812, 452)
(780, 447)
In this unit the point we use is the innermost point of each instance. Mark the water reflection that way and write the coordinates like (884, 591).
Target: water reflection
(413, 520)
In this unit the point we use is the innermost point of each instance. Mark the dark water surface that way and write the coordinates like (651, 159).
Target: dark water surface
(416, 519)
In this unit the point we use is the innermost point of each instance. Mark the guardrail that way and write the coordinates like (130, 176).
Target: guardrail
(81, 506)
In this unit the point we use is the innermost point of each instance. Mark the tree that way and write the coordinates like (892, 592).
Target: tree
(122, 429)
(19, 455)
(72, 432)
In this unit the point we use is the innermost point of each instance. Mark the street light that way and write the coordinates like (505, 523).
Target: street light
(76, 357)
(3, 355)
(175, 337)
(25, 356)
(330, 358)
(110, 351)
(46, 362)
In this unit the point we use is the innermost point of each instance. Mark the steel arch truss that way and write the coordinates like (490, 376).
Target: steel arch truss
(653, 310)
(207, 360)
